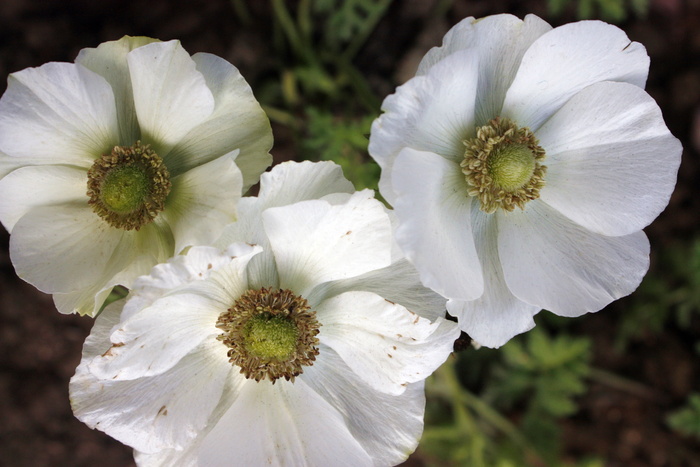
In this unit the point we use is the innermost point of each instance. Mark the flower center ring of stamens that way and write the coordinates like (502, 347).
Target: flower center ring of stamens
(502, 165)
(128, 187)
(270, 334)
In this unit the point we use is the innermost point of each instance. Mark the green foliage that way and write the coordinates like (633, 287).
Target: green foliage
(610, 10)
(323, 37)
(348, 22)
(117, 293)
(343, 141)
(543, 375)
(318, 78)
(534, 377)
(551, 371)
(669, 294)
(687, 419)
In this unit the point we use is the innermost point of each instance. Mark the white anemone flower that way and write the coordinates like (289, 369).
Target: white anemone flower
(523, 163)
(116, 162)
(295, 351)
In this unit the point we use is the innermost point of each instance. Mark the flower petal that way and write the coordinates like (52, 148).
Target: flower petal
(203, 201)
(398, 283)
(152, 414)
(501, 42)
(59, 113)
(551, 262)
(171, 97)
(567, 59)
(109, 61)
(33, 186)
(281, 425)
(68, 238)
(434, 229)
(181, 270)
(495, 317)
(612, 163)
(248, 228)
(387, 427)
(158, 329)
(134, 255)
(432, 113)
(238, 123)
(86, 301)
(314, 241)
(155, 339)
(386, 345)
(291, 182)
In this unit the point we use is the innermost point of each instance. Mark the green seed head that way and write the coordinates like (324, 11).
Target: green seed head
(128, 187)
(124, 189)
(270, 337)
(270, 334)
(511, 166)
(502, 166)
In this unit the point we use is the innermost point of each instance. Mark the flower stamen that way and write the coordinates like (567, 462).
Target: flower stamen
(502, 165)
(128, 187)
(270, 334)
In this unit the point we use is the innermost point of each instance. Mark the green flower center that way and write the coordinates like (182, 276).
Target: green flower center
(270, 334)
(124, 189)
(511, 166)
(270, 337)
(128, 187)
(502, 166)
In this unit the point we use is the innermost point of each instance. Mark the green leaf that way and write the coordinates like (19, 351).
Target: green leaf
(687, 419)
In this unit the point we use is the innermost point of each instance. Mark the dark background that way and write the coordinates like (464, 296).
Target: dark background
(39, 348)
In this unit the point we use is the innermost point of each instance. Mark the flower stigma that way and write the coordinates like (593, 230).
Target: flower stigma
(128, 187)
(502, 165)
(270, 333)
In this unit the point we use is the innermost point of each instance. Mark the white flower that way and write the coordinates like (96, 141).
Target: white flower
(117, 162)
(523, 162)
(314, 312)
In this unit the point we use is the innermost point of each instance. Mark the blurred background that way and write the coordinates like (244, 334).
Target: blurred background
(615, 388)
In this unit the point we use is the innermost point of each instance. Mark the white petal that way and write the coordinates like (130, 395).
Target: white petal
(32, 186)
(314, 241)
(202, 202)
(155, 339)
(434, 230)
(237, 123)
(197, 264)
(157, 332)
(567, 59)
(429, 113)
(285, 424)
(180, 457)
(86, 301)
(398, 283)
(170, 95)
(154, 413)
(551, 262)
(62, 248)
(109, 61)
(612, 163)
(500, 41)
(248, 228)
(134, 255)
(385, 344)
(59, 113)
(291, 182)
(387, 427)
(287, 183)
(495, 317)
(8, 164)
